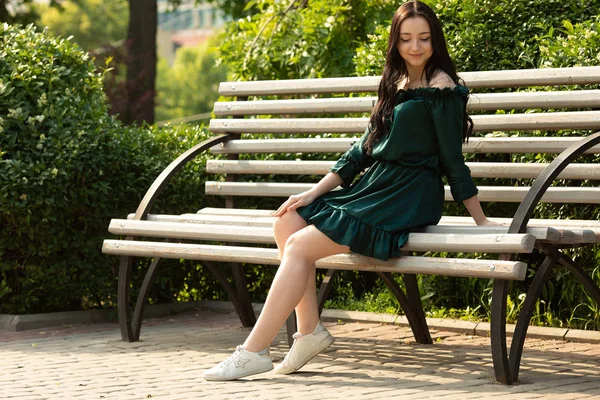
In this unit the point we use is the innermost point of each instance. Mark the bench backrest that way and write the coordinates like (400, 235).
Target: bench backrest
(298, 117)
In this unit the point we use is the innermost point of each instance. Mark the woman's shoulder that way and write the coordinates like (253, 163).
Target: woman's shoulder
(441, 80)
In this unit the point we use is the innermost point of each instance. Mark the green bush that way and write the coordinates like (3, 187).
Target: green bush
(66, 169)
(574, 45)
(485, 35)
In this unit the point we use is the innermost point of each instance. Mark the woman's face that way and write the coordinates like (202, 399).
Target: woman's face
(414, 43)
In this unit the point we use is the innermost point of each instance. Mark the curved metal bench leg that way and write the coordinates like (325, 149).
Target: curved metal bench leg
(291, 326)
(414, 301)
(325, 288)
(142, 299)
(518, 340)
(244, 311)
(498, 332)
(582, 276)
(420, 331)
(123, 299)
(244, 301)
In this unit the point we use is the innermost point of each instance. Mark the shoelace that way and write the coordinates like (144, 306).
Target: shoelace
(298, 335)
(232, 357)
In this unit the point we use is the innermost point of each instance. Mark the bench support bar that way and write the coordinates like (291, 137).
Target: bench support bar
(507, 371)
(518, 340)
(130, 330)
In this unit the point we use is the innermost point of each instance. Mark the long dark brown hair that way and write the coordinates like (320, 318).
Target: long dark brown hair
(395, 69)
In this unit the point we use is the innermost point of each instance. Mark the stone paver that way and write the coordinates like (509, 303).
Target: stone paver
(367, 361)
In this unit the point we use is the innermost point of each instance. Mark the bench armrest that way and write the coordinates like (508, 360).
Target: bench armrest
(165, 177)
(541, 184)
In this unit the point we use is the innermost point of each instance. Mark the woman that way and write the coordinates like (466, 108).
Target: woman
(414, 137)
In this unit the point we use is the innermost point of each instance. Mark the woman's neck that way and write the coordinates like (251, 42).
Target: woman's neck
(416, 77)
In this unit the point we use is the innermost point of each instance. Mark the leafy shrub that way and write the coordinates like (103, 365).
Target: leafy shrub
(485, 35)
(574, 45)
(288, 40)
(66, 169)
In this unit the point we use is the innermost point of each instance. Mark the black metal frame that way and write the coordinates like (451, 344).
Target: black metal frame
(506, 366)
(131, 324)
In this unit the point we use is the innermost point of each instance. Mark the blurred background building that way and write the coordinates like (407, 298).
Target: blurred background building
(189, 25)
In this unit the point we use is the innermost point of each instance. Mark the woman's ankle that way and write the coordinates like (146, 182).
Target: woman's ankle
(254, 349)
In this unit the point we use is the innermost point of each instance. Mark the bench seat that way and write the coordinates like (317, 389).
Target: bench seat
(294, 130)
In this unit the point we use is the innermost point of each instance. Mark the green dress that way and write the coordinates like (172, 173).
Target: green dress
(403, 188)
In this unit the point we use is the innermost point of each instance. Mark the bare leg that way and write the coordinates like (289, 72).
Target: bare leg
(307, 314)
(301, 251)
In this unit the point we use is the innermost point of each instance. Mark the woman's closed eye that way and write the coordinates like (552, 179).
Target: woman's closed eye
(408, 40)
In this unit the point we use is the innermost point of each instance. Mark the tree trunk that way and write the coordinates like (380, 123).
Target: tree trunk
(141, 61)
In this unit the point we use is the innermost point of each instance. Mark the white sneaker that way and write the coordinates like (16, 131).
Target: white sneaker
(240, 364)
(305, 347)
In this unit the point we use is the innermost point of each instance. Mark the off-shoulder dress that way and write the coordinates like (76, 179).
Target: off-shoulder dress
(402, 188)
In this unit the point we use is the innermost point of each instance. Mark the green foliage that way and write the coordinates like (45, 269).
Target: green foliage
(190, 86)
(294, 39)
(92, 23)
(66, 169)
(235, 8)
(574, 45)
(19, 11)
(490, 34)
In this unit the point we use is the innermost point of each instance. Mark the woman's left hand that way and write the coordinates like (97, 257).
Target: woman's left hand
(487, 222)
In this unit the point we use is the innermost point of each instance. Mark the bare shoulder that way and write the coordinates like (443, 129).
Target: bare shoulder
(402, 84)
(442, 80)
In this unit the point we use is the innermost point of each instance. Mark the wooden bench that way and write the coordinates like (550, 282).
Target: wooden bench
(302, 115)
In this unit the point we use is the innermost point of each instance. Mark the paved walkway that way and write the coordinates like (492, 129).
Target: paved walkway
(367, 361)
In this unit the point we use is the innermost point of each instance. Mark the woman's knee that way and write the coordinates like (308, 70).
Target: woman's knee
(288, 223)
(296, 245)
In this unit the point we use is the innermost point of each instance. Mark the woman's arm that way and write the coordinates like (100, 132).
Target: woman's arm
(474, 207)
(328, 183)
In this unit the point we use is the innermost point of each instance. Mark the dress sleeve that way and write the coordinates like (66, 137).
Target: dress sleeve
(354, 161)
(448, 115)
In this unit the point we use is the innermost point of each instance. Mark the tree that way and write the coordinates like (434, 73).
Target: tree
(141, 61)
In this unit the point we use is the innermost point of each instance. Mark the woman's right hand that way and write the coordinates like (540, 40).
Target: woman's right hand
(295, 201)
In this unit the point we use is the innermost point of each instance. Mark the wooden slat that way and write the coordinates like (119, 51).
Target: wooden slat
(482, 123)
(203, 218)
(477, 102)
(507, 78)
(448, 220)
(570, 231)
(585, 195)
(540, 233)
(549, 145)
(478, 169)
(449, 242)
(564, 224)
(492, 269)
(240, 212)
(302, 106)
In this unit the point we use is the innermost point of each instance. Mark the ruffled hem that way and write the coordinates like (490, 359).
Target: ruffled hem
(348, 230)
